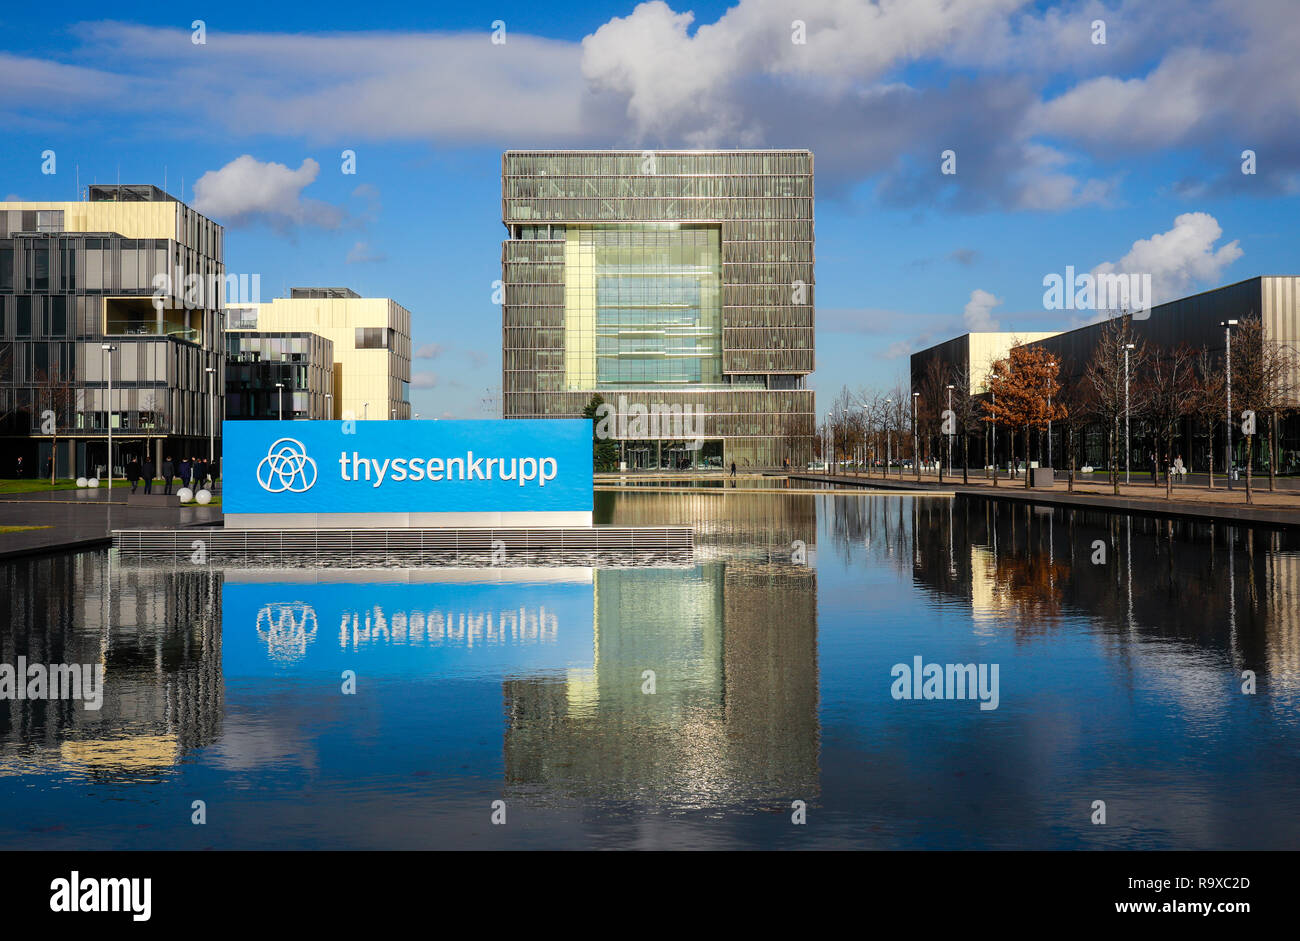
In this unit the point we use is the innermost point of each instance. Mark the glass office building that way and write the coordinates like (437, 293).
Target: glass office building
(678, 280)
(131, 268)
(278, 375)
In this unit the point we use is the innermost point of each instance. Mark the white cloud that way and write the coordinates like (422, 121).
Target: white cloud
(424, 380)
(978, 313)
(428, 351)
(247, 190)
(1179, 259)
(361, 252)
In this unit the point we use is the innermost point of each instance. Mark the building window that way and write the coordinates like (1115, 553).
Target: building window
(372, 338)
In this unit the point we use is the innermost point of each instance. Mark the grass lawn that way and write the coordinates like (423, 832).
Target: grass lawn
(32, 485)
(19, 529)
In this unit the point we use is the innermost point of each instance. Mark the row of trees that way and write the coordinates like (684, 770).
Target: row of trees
(1028, 393)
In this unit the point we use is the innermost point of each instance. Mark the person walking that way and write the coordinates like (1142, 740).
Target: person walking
(184, 471)
(149, 471)
(133, 473)
(200, 474)
(168, 472)
(18, 469)
(733, 468)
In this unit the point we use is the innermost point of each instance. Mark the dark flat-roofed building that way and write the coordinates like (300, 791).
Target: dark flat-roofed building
(1196, 320)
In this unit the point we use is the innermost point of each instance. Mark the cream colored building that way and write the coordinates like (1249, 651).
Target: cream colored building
(372, 344)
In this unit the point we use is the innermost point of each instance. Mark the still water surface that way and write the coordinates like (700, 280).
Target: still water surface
(1119, 681)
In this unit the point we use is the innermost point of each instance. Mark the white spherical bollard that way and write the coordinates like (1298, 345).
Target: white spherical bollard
(185, 494)
(203, 498)
(81, 482)
(93, 483)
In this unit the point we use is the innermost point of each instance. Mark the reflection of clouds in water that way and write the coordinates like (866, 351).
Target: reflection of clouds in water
(286, 628)
(249, 742)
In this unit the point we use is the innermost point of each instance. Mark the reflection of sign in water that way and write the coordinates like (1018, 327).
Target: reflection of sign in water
(286, 628)
(447, 627)
(523, 625)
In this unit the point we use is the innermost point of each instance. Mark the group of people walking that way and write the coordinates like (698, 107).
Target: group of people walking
(197, 469)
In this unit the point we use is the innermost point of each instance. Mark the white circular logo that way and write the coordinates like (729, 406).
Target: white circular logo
(286, 468)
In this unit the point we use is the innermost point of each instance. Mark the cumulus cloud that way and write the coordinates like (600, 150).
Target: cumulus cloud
(978, 314)
(247, 190)
(428, 351)
(424, 380)
(1035, 111)
(1179, 259)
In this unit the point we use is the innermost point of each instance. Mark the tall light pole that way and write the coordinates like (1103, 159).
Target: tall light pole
(916, 439)
(1127, 449)
(889, 437)
(365, 411)
(329, 406)
(993, 431)
(279, 386)
(1049, 421)
(212, 416)
(109, 348)
(394, 412)
(950, 418)
(1227, 326)
(830, 441)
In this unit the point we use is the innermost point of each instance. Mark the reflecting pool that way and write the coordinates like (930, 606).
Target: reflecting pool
(677, 703)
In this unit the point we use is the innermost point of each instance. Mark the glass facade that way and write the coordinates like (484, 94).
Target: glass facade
(671, 278)
(64, 294)
(279, 375)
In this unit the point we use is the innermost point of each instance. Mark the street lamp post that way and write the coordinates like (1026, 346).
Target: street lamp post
(1127, 449)
(916, 439)
(1227, 326)
(365, 411)
(889, 438)
(1049, 422)
(993, 431)
(280, 392)
(212, 416)
(951, 416)
(329, 405)
(830, 442)
(109, 348)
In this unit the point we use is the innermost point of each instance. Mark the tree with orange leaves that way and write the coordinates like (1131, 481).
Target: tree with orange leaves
(1023, 390)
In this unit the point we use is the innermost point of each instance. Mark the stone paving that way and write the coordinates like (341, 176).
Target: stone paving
(81, 518)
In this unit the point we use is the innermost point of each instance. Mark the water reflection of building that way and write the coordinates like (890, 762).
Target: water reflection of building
(733, 649)
(1208, 585)
(756, 525)
(156, 631)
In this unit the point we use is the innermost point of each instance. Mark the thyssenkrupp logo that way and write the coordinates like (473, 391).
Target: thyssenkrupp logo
(286, 468)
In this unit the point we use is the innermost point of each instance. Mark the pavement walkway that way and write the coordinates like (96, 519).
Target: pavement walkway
(78, 519)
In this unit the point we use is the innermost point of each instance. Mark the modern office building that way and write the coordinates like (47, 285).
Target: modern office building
(1196, 321)
(677, 280)
(279, 375)
(371, 339)
(126, 284)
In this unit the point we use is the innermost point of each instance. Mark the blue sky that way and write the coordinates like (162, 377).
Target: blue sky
(1069, 151)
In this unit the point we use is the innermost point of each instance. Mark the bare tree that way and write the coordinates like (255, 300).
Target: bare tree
(1169, 390)
(1074, 396)
(1262, 371)
(1105, 375)
(56, 399)
(1207, 404)
(966, 415)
